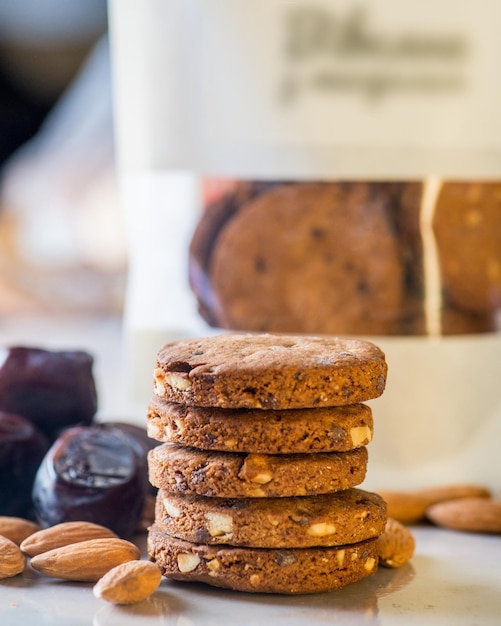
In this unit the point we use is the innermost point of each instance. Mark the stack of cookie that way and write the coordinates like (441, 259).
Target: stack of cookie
(264, 443)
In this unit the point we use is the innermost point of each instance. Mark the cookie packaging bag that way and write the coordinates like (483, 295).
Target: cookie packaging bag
(328, 167)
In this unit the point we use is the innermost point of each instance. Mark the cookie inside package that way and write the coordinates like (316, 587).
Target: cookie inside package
(414, 265)
(329, 170)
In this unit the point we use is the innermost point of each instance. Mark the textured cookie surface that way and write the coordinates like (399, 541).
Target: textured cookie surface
(294, 571)
(331, 243)
(177, 469)
(327, 429)
(348, 516)
(269, 371)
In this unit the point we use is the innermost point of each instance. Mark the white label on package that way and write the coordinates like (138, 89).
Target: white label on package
(309, 88)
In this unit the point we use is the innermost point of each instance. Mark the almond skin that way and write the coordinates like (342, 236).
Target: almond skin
(409, 507)
(63, 534)
(17, 528)
(12, 560)
(405, 506)
(128, 583)
(453, 492)
(396, 545)
(85, 561)
(480, 515)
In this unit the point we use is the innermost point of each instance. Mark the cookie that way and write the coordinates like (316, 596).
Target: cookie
(405, 211)
(457, 235)
(269, 371)
(457, 322)
(259, 570)
(467, 226)
(177, 469)
(328, 429)
(316, 257)
(348, 516)
(214, 217)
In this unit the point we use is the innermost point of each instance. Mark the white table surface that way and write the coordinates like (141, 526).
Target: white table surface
(454, 578)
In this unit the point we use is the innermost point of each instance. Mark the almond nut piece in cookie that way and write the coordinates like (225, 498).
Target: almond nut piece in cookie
(360, 436)
(187, 561)
(481, 515)
(178, 381)
(158, 382)
(128, 583)
(320, 529)
(219, 525)
(85, 561)
(171, 509)
(255, 469)
(12, 560)
(396, 545)
(63, 534)
(17, 528)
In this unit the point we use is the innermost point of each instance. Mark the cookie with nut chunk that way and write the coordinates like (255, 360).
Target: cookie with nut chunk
(178, 469)
(261, 570)
(269, 371)
(326, 429)
(345, 517)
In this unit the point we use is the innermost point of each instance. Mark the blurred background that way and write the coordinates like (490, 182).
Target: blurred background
(62, 240)
(63, 248)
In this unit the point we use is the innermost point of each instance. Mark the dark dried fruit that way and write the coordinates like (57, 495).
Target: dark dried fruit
(141, 443)
(22, 448)
(52, 389)
(91, 474)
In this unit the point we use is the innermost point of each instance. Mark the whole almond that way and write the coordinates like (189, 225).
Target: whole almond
(405, 506)
(481, 515)
(453, 492)
(396, 545)
(17, 528)
(12, 560)
(63, 534)
(409, 507)
(85, 561)
(129, 582)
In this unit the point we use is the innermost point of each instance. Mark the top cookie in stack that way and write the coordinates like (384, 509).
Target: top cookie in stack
(264, 441)
(253, 371)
